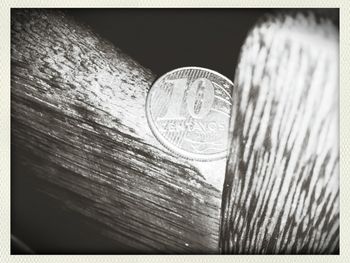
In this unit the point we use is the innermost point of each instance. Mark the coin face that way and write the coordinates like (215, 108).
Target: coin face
(188, 110)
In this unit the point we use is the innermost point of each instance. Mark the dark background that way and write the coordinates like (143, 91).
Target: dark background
(165, 39)
(159, 39)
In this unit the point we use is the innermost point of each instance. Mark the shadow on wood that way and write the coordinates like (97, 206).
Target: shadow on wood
(78, 120)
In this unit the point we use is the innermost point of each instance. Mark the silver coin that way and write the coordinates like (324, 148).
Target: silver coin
(188, 110)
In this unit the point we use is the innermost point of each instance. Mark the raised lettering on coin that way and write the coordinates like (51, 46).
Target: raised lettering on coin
(188, 110)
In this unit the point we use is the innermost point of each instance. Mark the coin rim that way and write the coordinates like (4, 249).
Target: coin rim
(163, 141)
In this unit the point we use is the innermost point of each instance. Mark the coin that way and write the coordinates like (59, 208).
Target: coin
(188, 110)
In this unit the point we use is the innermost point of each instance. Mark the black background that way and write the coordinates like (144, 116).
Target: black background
(161, 40)
(165, 39)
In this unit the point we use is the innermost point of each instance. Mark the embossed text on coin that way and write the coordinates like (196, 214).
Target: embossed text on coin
(188, 110)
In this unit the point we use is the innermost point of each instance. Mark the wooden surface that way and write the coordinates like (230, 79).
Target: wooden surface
(78, 123)
(281, 192)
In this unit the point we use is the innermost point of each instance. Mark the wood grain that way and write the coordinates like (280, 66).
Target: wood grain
(78, 122)
(281, 192)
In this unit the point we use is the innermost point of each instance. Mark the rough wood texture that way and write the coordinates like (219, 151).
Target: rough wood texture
(281, 192)
(78, 119)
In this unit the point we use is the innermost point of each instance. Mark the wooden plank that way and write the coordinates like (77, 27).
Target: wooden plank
(281, 192)
(78, 121)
